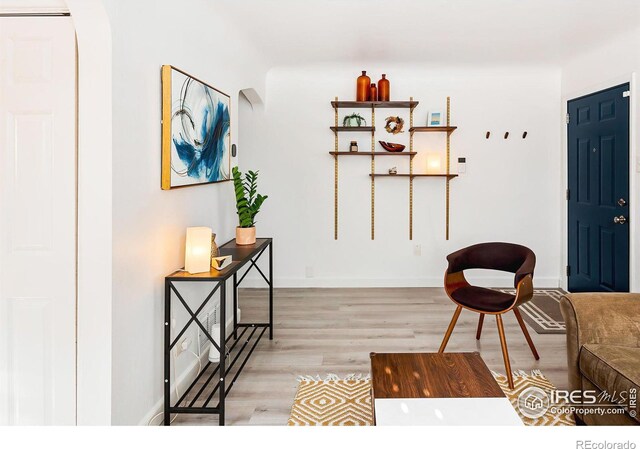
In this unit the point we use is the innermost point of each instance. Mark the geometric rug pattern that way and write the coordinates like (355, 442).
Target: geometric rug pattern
(543, 313)
(347, 402)
(522, 381)
(332, 402)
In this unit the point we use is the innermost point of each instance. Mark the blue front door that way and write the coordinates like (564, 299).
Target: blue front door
(598, 191)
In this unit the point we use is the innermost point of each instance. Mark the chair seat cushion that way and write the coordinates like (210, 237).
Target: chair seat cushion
(483, 299)
(613, 369)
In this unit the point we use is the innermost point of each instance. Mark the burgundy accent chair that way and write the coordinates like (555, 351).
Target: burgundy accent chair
(508, 257)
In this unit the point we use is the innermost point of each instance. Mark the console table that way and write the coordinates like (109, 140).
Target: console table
(243, 338)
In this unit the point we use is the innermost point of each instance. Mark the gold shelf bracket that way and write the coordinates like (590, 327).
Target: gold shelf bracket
(335, 178)
(373, 170)
(447, 188)
(411, 173)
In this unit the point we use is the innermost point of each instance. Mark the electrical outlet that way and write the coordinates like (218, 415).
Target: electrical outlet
(417, 250)
(207, 319)
(183, 345)
(308, 271)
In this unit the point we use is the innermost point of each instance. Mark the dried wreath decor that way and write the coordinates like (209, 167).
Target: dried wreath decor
(394, 125)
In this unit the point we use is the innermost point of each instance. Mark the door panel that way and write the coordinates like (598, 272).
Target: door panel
(38, 221)
(598, 162)
(584, 169)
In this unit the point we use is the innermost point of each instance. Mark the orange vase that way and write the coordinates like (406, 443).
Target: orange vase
(362, 87)
(373, 92)
(383, 88)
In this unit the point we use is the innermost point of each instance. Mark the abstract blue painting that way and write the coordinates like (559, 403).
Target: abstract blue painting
(196, 133)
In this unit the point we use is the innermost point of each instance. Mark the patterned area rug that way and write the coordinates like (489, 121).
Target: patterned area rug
(542, 313)
(522, 381)
(347, 402)
(332, 401)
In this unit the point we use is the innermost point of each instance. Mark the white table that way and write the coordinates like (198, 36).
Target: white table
(445, 412)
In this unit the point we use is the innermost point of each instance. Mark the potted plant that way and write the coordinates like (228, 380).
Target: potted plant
(354, 120)
(248, 202)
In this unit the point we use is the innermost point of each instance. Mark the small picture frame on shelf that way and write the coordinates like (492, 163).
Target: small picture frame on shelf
(435, 118)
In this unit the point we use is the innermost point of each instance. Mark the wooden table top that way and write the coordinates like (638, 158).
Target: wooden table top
(241, 254)
(432, 375)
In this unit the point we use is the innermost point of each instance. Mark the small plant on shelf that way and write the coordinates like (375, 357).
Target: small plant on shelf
(248, 203)
(354, 119)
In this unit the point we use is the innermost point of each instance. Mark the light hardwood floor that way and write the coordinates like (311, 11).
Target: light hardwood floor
(320, 331)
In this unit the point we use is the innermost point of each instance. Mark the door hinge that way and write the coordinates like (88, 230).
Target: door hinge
(568, 270)
(626, 93)
(568, 194)
(567, 118)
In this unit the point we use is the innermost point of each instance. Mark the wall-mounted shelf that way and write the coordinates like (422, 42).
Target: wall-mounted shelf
(337, 129)
(375, 104)
(432, 129)
(416, 175)
(371, 153)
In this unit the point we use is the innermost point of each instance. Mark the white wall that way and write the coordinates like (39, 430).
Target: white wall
(148, 223)
(614, 62)
(511, 191)
(94, 328)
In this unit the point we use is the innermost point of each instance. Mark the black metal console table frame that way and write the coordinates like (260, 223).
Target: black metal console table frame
(243, 334)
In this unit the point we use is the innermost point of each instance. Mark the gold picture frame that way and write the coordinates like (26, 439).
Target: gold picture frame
(196, 131)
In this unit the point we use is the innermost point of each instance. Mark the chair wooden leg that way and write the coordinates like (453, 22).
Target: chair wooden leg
(516, 312)
(456, 314)
(505, 352)
(479, 331)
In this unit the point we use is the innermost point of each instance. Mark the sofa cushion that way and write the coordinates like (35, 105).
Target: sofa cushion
(613, 369)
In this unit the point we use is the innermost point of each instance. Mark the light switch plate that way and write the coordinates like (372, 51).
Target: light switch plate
(462, 165)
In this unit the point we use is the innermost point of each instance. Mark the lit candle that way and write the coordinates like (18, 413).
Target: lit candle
(197, 255)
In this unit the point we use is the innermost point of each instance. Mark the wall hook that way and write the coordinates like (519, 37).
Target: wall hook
(488, 134)
(506, 135)
(524, 135)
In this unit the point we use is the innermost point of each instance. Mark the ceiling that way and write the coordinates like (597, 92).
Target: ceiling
(293, 32)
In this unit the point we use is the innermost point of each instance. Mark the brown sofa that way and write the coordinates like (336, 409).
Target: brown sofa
(603, 349)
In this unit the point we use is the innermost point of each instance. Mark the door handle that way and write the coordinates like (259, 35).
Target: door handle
(620, 220)
(622, 202)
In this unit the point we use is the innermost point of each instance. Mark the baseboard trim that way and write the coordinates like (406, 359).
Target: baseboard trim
(504, 282)
(184, 380)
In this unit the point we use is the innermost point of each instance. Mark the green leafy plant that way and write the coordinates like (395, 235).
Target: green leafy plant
(360, 121)
(248, 200)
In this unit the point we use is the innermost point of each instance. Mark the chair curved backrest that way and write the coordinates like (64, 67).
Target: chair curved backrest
(500, 256)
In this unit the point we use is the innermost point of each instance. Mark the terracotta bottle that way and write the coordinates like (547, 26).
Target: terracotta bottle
(373, 92)
(362, 87)
(383, 88)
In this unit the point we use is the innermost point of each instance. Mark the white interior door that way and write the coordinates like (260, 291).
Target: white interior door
(37, 221)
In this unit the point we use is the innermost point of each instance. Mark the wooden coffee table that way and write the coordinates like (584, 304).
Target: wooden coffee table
(437, 389)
